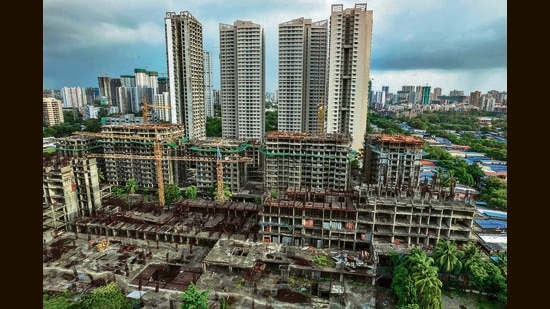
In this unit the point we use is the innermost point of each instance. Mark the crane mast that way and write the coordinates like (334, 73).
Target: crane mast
(158, 157)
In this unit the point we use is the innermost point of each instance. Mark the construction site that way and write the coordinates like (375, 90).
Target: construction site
(299, 231)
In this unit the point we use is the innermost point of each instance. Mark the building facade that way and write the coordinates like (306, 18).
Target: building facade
(73, 97)
(392, 162)
(306, 160)
(70, 190)
(184, 53)
(242, 80)
(52, 112)
(349, 71)
(208, 85)
(302, 72)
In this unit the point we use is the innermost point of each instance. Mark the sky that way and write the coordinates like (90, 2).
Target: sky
(454, 45)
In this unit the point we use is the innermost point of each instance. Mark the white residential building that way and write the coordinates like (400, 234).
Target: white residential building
(349, 71)
(208, 85)
(242, 80)
(302, 73)
(184, 53)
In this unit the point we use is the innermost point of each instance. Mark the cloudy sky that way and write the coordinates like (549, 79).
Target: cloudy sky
(455, 45)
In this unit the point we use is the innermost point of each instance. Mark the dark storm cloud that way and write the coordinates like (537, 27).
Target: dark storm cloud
(479, 48)
(429, 38)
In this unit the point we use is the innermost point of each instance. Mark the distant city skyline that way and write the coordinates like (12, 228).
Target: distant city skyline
(414, 43)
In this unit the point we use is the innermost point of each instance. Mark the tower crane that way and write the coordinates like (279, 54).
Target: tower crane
(158, 157)
(321, 116)
(145, 109)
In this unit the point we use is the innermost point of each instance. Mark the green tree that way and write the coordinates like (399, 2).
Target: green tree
(470, 256)
(49, 132)
(487, 278)
(92, 125)
(118, 191)
(271, 121)
(106, 297)
(422, 278)
(172, 193)
(191, 192)
(424, 275)
(131, 186)
(494, 193)
(273, 193)
(192, 298)
(403, 287)
(447, 256)
(226, 192)
(213, 126)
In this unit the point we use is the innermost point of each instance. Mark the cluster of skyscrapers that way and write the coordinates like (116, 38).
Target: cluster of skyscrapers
(323, 75)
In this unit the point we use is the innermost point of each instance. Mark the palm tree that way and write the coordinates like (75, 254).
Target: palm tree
(502, 263)
(131, 187)
(428, 286)
(471, 256)
(423, 273)
(447, 256)
(191, 192)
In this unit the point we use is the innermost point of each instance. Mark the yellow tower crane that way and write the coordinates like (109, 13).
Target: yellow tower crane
(158, 157)
(145, 109)
(321, 116)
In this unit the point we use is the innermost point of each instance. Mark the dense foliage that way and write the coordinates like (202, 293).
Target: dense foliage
(213, 127)
(494, 193)
(271, 121)
(109, 296)
(172, 193)
(192, 298)
(416, 282)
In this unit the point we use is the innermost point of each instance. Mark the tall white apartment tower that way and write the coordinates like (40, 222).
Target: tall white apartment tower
(184, 54)
(208, 85)
(349, 70)
(74, 97)
(242, 80)
(302, 72)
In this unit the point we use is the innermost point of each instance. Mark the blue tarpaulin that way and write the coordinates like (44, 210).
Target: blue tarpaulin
(491, 223)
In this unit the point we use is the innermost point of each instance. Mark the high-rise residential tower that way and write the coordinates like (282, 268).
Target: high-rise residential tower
(52, 112)
(73, 97)
(242, 80)
(437, 93)
(184, 54)
(208, 85)
(349, 70)
(302, 72)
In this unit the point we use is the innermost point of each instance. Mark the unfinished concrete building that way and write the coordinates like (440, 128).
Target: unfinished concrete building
(307, 160)
(198, 222)
(392, 162)
(129, 152)
(70, 190)
(78, 146)
(204, 156)
(353, 220)
(321, 218)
